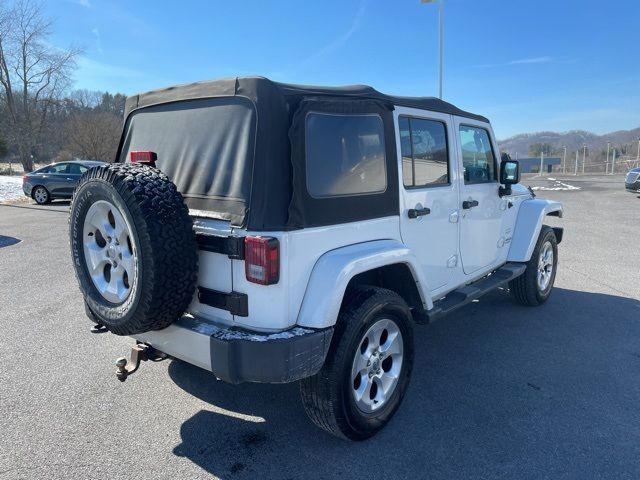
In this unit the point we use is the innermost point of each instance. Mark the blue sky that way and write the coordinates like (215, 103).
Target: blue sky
(527, 65)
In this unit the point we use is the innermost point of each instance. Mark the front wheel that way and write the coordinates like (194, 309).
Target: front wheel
(534, 286)
(367, 370)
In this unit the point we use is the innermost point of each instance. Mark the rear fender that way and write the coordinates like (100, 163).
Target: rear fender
(528, 225)
(333, 271)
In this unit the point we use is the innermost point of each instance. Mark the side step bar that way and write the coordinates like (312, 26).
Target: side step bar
(464, 295)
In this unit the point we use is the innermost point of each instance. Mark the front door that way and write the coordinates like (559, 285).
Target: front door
(429, 192)
(57, 179)
(480, 204)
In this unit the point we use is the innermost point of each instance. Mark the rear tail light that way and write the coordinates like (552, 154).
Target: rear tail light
(144, 156)
(262, 260)
(24, 179)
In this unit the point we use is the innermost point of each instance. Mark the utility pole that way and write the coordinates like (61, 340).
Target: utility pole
(638, 156)
(606, 165)
(584, 156)
(564, 160)
(541, 163)
(576, 170)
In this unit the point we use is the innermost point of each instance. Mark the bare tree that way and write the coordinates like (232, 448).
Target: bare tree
(33, 74)
(94, 135)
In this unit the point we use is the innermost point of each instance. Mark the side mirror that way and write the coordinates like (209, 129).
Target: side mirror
(509, 175)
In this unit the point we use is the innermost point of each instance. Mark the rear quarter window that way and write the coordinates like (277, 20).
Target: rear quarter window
(345, 155)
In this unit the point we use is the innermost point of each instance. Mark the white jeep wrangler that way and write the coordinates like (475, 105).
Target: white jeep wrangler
(272, 233)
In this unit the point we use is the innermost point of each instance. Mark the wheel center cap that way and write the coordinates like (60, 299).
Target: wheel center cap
(113, 251)
(376, 365)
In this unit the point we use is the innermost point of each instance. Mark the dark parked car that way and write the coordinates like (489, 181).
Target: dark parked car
(56, 180)
(632, 182)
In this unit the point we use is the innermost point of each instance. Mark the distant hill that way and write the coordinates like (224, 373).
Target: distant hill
(624, 141)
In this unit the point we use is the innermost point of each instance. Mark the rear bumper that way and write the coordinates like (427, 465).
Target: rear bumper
(26, 188)
(237, 356)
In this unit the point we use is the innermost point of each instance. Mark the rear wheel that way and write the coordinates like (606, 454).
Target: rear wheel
(41, 195)
(534, 286)
(367, 370)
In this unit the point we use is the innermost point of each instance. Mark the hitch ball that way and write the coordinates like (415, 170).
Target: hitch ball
(121, 372)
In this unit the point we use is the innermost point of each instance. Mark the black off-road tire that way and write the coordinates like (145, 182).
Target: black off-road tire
(163, 231)
(327, 397)
(525, 288)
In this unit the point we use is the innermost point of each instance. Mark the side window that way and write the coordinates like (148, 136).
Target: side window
(76, 169)
(59, 168)
(345, 155)
(478, 159)
(425, 160)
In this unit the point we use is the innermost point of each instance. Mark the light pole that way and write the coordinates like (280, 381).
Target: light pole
(584, 156)
(541, 163)
(638, 156)
(440, 40)
(606, 165)
(564, 160)
(575, 172)
(613, 162)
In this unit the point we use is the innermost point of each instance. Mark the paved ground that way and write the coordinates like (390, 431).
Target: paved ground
(499, 391)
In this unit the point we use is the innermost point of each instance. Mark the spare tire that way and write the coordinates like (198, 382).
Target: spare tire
(133, 247)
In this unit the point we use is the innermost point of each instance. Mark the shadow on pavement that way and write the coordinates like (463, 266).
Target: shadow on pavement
(498, 390)
(8, 241)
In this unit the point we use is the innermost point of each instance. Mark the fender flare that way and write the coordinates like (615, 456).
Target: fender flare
(334, 270)
(528, 225)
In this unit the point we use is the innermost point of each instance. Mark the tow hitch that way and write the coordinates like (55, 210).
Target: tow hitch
(139, 353)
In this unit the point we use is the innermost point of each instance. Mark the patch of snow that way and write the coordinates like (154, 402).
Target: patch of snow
(557, 185)
(10, 188)
(239, 335)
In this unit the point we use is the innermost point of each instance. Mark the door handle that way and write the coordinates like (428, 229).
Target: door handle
(467, 204)
(418, 212)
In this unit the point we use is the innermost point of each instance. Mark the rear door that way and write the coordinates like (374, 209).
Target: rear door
(480, 205)
(206, 147)
(429, 192)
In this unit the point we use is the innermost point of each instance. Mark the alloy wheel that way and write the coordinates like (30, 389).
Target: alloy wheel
(110, 251)
(545, 266)
(377, 365)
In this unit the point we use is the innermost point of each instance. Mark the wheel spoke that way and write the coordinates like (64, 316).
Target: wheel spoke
(360, 364)
(127, 263)
(116, 286)
(121, 231)
(363, 394)
(392, 345)
(96, 257)
(374, 336)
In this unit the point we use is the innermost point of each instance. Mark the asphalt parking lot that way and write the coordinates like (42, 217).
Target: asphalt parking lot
(498, 391)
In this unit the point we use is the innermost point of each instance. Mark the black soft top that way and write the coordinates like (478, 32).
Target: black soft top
(261, 187)
(255, 87)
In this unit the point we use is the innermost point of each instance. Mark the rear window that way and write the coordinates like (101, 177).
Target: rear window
(345, 155)
(204, 146)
